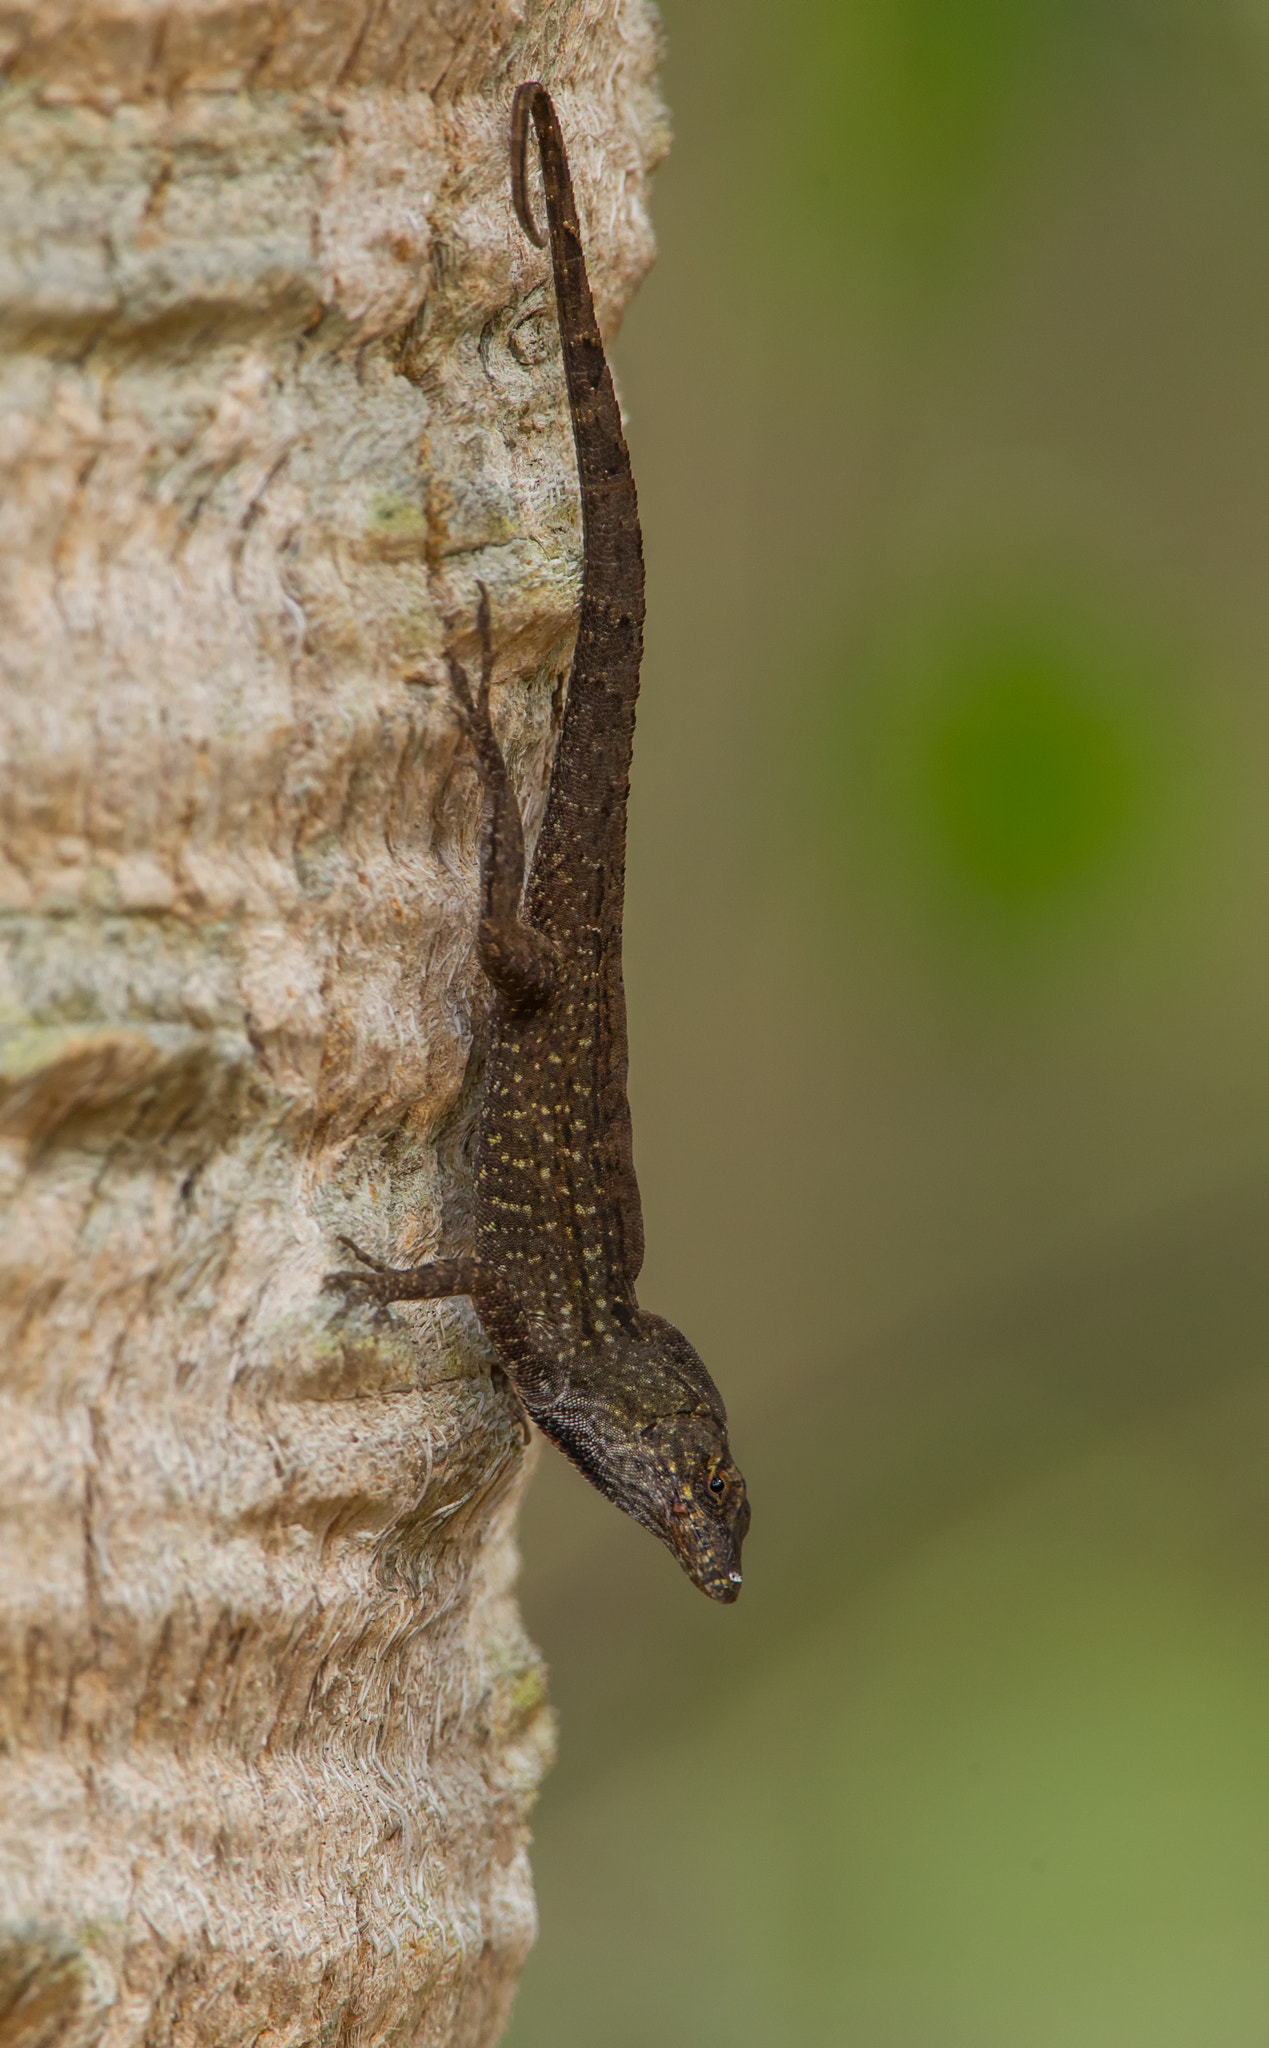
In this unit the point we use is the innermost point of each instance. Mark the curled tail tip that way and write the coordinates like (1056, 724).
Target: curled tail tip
(521, 112)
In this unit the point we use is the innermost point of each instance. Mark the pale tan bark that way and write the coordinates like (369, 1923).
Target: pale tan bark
(277, 387)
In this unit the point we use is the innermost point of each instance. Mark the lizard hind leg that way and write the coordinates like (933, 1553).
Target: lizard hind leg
(484, 626)
(518, 961)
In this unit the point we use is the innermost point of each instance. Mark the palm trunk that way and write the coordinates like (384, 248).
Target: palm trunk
(279, 383)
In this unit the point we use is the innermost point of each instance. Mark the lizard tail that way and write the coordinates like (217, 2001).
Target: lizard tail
(610, 510)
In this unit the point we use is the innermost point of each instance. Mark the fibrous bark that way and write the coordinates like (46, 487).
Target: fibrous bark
(279, 383)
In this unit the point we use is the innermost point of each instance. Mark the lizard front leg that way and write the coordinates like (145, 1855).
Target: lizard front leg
(518, 961)
(437, 1281)
(535, 1378)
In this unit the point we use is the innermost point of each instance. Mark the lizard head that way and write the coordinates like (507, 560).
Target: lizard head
(703, 1507)
(691, 1493)
(653, 1437)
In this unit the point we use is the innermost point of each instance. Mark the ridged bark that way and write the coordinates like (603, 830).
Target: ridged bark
(279, 383)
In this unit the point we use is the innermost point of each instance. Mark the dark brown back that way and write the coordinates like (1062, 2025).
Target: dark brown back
(557, 1122)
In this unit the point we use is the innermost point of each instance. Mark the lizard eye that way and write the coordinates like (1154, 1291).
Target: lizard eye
(717, 1483)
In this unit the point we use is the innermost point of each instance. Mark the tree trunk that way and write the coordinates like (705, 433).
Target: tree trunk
(280, 382)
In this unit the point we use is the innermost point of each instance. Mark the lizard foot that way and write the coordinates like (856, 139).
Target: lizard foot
(435, 1280)
(376, 1265)
(473, 711)
(362, 1290)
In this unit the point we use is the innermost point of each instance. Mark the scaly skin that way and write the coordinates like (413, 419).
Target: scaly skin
(559, 1228)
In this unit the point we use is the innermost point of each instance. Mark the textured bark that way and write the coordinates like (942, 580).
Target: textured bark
(279, 383)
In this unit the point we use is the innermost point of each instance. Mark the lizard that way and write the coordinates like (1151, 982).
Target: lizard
(558, 1220)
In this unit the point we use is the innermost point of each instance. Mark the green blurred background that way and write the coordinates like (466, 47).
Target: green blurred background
(949, 403)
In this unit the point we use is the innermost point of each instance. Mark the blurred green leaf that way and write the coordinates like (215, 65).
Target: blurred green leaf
(1003, 760)
(1032, 778)
(905, 109)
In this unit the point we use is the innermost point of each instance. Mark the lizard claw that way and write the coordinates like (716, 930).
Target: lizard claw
(376, 1265)
(474, 711)
(473, 716)
(467, 712)
(360, 1289)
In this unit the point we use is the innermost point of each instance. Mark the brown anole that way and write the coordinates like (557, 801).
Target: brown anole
(559, 1228)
